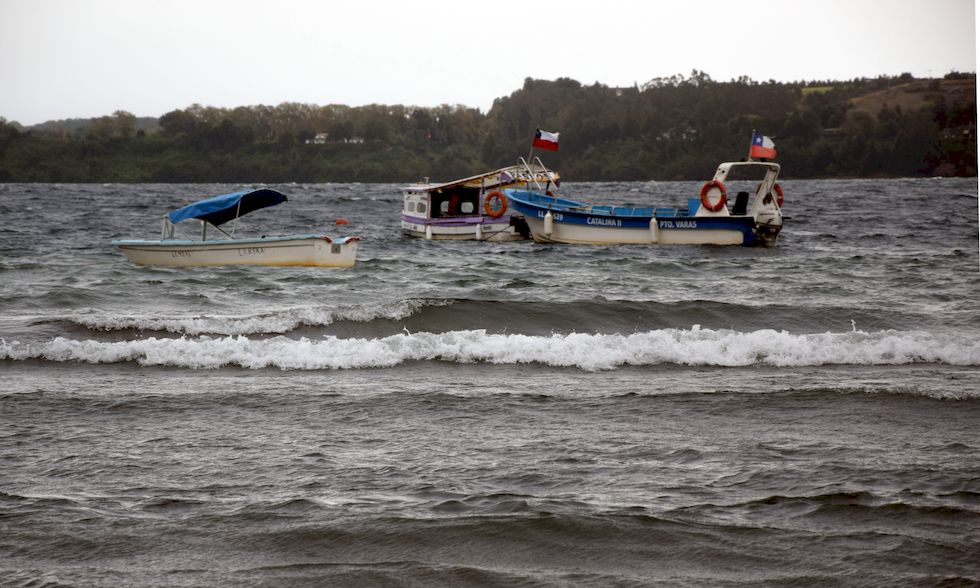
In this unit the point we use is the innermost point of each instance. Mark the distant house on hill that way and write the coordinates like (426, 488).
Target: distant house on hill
(324, 138)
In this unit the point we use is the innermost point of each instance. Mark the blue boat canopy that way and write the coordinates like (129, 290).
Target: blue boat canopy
(221, 209)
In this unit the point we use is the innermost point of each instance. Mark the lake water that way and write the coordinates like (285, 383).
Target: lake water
(475, 414)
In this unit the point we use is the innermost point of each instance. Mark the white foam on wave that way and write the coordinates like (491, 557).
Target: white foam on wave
(695, 346)
(282, 321)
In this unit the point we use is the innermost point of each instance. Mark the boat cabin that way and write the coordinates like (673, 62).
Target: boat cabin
(453, 201)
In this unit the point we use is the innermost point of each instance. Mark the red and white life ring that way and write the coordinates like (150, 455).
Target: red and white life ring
(723, 196)
(495, 204)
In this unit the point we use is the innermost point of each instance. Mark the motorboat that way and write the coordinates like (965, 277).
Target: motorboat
(476, 207)
(753, 218)
(290, 250)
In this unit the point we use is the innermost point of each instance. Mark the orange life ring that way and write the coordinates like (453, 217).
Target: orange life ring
(721, 201)
(779, 193)
(498, 209)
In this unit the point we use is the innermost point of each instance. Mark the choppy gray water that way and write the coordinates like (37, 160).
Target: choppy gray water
(493, 414)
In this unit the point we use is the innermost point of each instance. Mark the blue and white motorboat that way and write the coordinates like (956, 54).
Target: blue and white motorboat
(290, 250)
(754, 218)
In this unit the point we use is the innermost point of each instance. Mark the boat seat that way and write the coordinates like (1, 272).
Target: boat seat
(741, 203)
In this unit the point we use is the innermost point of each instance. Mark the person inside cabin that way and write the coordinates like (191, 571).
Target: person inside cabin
(453, 204)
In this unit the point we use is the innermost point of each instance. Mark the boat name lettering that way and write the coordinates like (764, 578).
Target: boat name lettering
(681, 224)
(180, 253)
(251, 251)
(604, 222)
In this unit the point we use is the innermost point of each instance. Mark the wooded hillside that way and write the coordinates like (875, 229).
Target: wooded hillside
(668, 128)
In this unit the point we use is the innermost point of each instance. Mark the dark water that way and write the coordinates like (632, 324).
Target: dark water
(472, 414)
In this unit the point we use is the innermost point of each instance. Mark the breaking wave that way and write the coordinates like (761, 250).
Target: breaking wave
(280, 321)
(592, 352)
(540, 318)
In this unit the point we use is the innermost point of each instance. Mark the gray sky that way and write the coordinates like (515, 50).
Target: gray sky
(84, 58)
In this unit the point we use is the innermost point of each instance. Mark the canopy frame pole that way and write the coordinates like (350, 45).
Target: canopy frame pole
(167, 231)
(238, 213)
(527, 166)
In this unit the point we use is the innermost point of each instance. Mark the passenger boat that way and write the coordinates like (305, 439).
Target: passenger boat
(474, 208)
(754, 218)
(290, 250)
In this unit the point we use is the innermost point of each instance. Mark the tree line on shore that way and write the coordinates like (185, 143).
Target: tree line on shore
(679, 128)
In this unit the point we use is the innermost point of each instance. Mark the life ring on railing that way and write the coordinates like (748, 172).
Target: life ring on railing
(721, 200)
(779, 193)
(495, 204)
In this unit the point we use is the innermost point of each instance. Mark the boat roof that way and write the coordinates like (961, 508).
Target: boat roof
(513, 171)
(221, 209)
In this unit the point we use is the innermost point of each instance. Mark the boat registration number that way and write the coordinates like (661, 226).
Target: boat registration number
(251, 251)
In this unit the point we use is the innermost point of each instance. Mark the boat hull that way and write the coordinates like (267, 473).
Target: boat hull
(477, 228)
(301, 250)
(584, 228)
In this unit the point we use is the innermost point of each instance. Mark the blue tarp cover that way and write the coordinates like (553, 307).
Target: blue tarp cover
(221, 209)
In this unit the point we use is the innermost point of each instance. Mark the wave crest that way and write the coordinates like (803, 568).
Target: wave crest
(282, 321)
(695, 347)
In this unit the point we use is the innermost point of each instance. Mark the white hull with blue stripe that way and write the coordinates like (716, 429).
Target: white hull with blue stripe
(709, 220)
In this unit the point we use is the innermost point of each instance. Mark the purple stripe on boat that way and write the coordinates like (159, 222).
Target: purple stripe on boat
(459, 221)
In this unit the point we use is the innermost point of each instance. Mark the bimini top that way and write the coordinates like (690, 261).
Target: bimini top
(221, 209)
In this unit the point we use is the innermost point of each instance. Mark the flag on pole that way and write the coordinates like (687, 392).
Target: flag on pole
(545, 140)
(762, 147)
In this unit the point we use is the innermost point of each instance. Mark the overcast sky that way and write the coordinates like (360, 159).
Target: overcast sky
(84, 58)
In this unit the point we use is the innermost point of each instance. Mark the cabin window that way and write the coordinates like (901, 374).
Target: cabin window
(458, 201)
(420, 207)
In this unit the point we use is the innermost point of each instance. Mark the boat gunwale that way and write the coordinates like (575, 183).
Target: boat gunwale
(228, 242)
(583, 209)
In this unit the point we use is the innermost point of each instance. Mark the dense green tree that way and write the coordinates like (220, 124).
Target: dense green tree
(676, 127)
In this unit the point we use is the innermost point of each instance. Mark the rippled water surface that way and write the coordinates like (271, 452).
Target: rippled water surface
(458, 413)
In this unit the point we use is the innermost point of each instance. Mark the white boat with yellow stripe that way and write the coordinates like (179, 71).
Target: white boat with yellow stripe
(474, 208)
(291, 250)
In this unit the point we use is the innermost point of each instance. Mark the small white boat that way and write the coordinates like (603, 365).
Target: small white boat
(708, 220)
(290, 250)
(473, 208)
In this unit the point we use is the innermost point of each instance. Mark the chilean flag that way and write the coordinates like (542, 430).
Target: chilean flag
(545, 140)
(762, 147)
